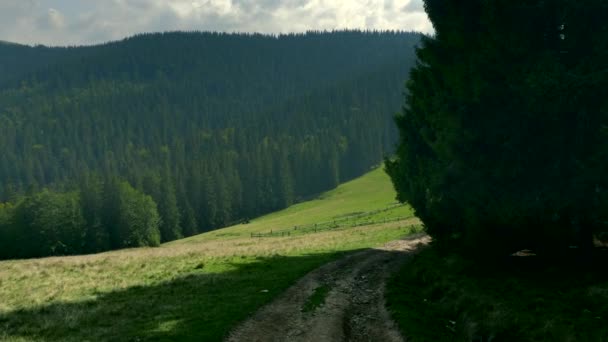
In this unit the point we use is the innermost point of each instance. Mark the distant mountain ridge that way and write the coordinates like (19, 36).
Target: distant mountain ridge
(215, 127)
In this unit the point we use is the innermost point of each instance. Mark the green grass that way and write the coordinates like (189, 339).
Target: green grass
(195, 289)
(317, 299)
(371, 192)
(448, 298)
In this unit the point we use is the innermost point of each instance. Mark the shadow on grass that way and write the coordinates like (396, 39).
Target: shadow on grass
(439, 297)
(197, 306)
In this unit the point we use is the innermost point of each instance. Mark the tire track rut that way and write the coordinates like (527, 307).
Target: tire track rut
(354, 308)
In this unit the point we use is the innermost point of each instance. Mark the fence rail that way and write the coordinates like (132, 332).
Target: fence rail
(315, 228)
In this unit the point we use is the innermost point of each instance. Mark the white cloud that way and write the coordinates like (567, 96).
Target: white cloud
(414, 6)
(70, 22)
(55, 19)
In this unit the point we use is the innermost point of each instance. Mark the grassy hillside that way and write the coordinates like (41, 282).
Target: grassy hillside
(194, 289)
(366, 194)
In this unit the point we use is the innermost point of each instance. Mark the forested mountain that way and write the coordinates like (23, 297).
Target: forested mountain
(167, 135)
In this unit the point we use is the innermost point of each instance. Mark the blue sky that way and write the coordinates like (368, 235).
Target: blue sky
(77, 22)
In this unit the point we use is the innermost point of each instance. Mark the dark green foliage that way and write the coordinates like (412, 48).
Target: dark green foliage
(167, 208)
(135, 219)
(48, 223)
(189, 224)
(97, 237)
(439, 297)
(7, 234)
(214, 127)
(503, 141)
(101, 216)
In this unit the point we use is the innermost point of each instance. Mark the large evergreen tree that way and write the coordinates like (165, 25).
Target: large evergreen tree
(502, 133)
(134, 217)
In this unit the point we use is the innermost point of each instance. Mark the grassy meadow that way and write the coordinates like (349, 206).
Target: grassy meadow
(371, 192)
(193, 289)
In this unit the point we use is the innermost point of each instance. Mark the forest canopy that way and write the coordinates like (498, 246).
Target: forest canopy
(161, 136)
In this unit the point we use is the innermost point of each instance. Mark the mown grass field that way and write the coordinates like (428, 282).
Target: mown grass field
(194, 289)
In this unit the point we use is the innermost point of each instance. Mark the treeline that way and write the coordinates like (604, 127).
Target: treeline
(76, 222)
(203, 129)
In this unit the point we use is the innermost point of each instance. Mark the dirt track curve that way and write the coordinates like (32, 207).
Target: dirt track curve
(354, 308)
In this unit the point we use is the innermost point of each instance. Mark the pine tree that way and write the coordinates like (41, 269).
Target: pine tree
(134, 216)
(189, 223)
(170, 228)
(97, 237)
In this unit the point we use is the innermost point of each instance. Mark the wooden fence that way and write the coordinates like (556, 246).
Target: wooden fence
(320, 227)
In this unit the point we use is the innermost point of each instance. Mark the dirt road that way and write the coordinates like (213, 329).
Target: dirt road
(354, 307)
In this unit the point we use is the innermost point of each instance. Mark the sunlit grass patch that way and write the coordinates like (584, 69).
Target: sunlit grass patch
(199, 290)
(368, 193)
(196, 289)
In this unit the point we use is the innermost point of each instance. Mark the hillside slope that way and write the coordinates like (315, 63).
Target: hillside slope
(357, 198)
(195, 289)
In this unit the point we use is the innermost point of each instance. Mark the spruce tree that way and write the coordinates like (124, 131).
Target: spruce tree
(170, 228)
(502, 131)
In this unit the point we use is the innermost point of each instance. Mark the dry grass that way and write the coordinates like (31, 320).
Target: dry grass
(72, 297)
(197, 288)
(31, 283)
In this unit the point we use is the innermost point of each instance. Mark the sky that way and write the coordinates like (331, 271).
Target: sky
(86, 22)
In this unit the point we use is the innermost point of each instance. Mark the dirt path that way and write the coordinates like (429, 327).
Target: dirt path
(354, 307)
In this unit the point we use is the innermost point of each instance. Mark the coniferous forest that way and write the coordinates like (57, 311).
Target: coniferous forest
(161, 136)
